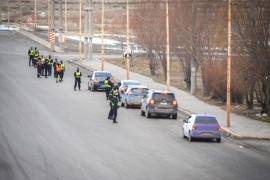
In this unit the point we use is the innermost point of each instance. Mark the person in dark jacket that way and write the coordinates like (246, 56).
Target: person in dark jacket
(77, 75)
(108, 84)
(110, 116)
(31, 56)
(115, 106)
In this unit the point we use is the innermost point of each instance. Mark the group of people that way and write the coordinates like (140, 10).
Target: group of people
(44, 65)
(112, 94)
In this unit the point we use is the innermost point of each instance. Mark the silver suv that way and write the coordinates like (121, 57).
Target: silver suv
(158, 102)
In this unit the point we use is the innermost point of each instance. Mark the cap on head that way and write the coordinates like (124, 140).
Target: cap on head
(77, 69)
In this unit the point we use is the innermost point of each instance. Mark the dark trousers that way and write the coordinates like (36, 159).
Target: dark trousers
(114, 113)
(47, 67)
(34, 62)
(111, 111)
(61, 75)
(42, 69)
(31, 57)
(77, 81)
(38, 71)
(107, 91)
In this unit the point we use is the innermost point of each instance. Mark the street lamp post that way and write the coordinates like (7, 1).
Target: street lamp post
(80, 33)
(127, 41)
(102, 36)
(229, 66)
(35, 28)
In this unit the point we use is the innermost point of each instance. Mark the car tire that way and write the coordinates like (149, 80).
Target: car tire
(89, 87)
(183, 133)
(190, 138)
(218, 140)
(147, 113)
(174, 116)
(126, 105)
(142, 113)
(92, 88)
(122, 104)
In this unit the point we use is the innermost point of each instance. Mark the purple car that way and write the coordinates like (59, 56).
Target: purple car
(204, 126)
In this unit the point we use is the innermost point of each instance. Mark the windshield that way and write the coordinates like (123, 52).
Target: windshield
(103, 74)
(139, 91)
(163, 97)
(205, 120)
(131, 83)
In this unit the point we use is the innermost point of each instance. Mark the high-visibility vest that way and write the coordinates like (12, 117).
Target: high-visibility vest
(106, 83)
(50, 60)
(62, 66)
(32, 51)
(78, 74)
(58, 68)
(36, 54)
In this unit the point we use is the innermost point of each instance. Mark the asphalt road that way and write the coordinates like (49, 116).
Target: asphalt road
(50, 132)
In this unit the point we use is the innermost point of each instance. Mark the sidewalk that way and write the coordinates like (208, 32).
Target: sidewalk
(241, 127)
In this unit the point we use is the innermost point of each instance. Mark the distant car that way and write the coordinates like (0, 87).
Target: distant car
(126, 83)
(96, 80)
(133, 95)
(159, 102)
(204, 126)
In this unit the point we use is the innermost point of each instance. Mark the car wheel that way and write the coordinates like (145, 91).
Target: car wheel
(218, 140)
(89, 87)
(183, 133)
(92, 88)
(142, 113)
(148, 115)
(126, 105)
(174, 116)
(190, 138)
(122, 104)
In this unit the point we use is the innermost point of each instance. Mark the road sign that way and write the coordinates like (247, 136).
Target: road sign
(52, 37)
(29, 20)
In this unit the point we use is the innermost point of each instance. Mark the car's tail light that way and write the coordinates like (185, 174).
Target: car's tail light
(219, 127)
(152, 101)
(194, 127)
(174, 102)
(122, 89)
(95, 80)
(129, 93)
(112, 80)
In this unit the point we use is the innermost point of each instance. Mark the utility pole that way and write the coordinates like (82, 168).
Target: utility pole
(20, 14)
(127, 41)
(193, 63)
(0, 13)
(80, 33)
(61, 40)
(8, 12)
(168, 45)
(49, 17)
(35, 27)
(102, 36)
(229, 66)
(52, 21)
(88, 30)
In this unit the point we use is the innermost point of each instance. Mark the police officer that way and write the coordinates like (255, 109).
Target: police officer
(108, 84)
(43, 65)
(36, 55)
(50, 63)
(115, 106)
(116, 90)
(39, 66)
(110, 116)
(62, 70)
(31, 55)
(54, 67)
(77, 75)
(46, 65)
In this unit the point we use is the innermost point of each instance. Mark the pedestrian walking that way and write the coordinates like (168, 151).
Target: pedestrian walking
(62, 70)
(58, 71)
(31, 55)
(108, 84)
(77, 76)
(115, 106)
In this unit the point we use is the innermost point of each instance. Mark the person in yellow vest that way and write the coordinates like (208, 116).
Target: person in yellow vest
(36, 55)
(58, 71)
(77, 76)
(31, 56)
(63, 70)
(108, 84)
(50, 64)
(43, 65)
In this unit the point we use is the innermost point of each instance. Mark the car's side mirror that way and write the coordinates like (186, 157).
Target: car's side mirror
(185, 121)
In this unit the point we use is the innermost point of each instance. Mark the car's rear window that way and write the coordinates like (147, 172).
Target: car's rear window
(205, 120)
(141, 91)
(163, 97)
(131, 83)
(103, 74)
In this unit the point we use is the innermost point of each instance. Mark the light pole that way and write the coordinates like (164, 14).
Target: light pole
(102, 36)
(35, 28)
(127, 41)
(80, 33)
(168, 45)
(229, 66)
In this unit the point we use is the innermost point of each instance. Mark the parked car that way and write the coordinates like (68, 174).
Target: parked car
(126, 83)
(159, 102)
(204, 126)
(133, 95)
(96, 80)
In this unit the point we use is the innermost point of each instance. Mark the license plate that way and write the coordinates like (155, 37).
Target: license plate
(207, 134)
(163, 103)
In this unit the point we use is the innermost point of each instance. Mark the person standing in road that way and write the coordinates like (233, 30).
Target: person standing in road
(31, 55)
(36, 55)
(110, 116)
(77, 76)
(58, 71)
(54, 67)
(108, 84)
(62, 70)
(50, 63)
(115, 106)
(39, 66)
(46, 65)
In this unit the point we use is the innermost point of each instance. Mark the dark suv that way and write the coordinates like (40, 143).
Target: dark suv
(159, 102)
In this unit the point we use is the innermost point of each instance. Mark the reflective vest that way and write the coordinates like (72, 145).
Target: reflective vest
(106, 83)
(36, 54)
(58, 68)
(62, 66)
(42, 60)
(50, 60)
(78, 74)
(32, 52)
